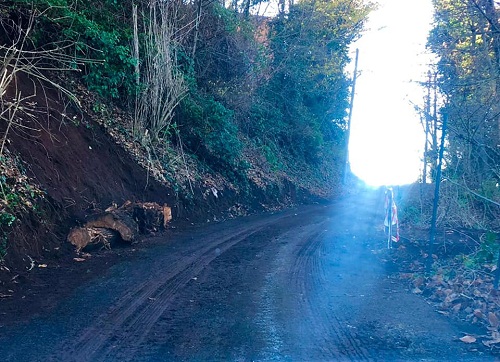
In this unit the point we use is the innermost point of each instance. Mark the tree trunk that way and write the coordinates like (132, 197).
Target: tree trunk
(196, 28)
(119, 220)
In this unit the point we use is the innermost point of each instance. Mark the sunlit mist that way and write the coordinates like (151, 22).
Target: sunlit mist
(386, 135)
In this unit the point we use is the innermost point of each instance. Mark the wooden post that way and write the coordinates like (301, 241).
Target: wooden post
(427, 121)
(390, 200)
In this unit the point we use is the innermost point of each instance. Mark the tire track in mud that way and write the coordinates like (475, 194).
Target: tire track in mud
(119, 331)
(306, 314)
(309, 278)
(269, 319)
(302, 286)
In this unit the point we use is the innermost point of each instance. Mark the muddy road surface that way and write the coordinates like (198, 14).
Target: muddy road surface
(308, 284)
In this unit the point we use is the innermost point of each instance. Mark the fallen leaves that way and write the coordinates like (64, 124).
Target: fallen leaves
(457, 290)
(479, 314)
(468, 339)
(493, 319)
(491, 339)
(489, 343)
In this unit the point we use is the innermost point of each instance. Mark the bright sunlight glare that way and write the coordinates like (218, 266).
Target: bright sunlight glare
(387, 138)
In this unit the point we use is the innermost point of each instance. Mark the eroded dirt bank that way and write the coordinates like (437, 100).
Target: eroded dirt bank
(301, 285)
(80, 161)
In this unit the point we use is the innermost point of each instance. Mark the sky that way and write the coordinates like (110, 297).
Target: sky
(387, 139)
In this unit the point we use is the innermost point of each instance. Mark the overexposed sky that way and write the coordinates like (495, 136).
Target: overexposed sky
(386, 136)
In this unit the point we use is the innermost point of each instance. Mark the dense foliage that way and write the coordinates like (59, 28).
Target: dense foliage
(97, 30)
(217, 81)
(466, 39)
(280, 81)
(308, 87)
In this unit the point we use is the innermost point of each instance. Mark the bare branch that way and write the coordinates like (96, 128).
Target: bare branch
(163, 85)
(16, 59)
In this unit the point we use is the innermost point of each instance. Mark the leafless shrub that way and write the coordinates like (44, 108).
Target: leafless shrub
(21, 56)
(161, 84)
(461, 207)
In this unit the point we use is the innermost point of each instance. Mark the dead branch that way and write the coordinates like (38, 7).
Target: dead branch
(484, 198)
(16, 59)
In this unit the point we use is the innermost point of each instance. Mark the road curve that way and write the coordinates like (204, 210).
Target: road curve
(308, 284)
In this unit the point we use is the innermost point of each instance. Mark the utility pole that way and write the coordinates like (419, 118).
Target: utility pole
(347, 167)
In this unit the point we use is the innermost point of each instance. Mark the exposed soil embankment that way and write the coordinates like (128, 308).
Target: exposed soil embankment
(78, 166)
(82, 170)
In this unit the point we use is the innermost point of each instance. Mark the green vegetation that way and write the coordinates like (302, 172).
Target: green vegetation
(210, 132)
(487, 252)
(278, 81)
(96, 30)
(466, 39)
(17, 197)
(209, 87)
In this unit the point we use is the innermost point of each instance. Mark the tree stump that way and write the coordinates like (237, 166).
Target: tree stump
(123, 222)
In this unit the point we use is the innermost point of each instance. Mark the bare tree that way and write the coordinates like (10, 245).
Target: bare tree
(21, 57)
(162, 85)
(466, 37)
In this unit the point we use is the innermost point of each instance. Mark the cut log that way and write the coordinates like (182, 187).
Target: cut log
(167, 215)
(149, 216)
(79, 237)
(85, 237)
(118, 220)
(122, 222)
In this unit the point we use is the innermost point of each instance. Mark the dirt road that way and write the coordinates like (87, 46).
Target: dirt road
(309, 284)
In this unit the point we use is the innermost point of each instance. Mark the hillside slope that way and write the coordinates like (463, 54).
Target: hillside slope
(108, 102)
(81, 169)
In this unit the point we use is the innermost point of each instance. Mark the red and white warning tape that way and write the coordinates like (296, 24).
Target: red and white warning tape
(389, 202)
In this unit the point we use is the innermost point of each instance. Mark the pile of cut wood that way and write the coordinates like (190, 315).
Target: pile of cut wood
(122, 223)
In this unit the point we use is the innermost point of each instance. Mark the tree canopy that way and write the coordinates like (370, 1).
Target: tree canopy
(466, 39)
(206, 78)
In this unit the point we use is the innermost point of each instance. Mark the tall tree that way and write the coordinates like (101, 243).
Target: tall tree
(310, 51)
(466, 39)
